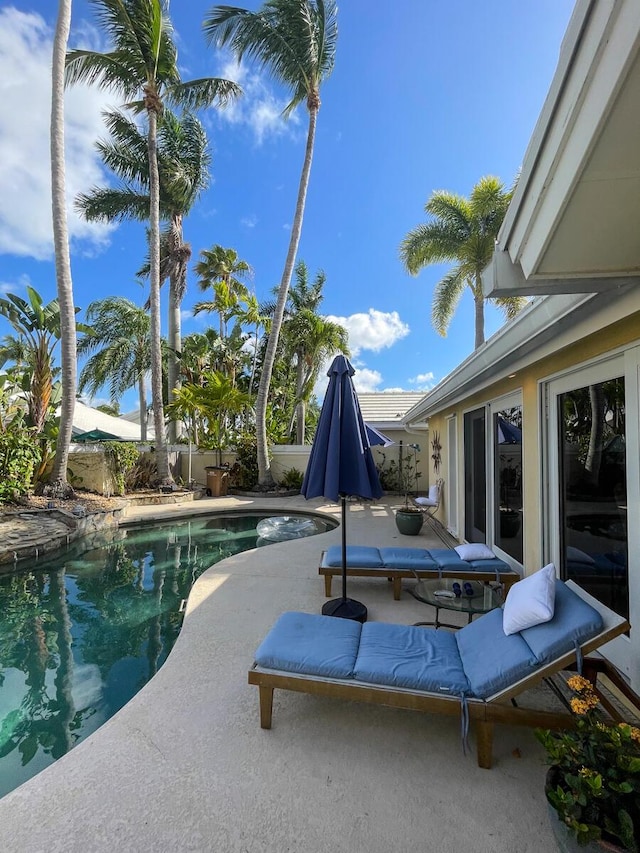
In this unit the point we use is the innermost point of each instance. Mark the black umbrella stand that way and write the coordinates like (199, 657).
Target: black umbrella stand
(345, 608)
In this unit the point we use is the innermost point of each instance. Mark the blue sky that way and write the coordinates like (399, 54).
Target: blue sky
(425, 95)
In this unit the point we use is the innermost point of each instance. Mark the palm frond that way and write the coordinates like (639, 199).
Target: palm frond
(445, 299)
(431, 243)
(102, 204)
(510, 306)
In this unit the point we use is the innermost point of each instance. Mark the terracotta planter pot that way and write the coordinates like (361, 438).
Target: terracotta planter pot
(409, 523)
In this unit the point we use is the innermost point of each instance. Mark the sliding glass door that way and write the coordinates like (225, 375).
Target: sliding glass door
(475, 477)
(593, 489)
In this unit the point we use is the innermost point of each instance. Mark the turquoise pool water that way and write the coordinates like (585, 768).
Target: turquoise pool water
(82, 633)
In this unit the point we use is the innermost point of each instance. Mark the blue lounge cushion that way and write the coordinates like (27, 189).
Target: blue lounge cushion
(410, 657)
(493, 565)
(492, 660)
(446, 558)
(574, 621)
(310, 644)
(407, 558)
(358, 557)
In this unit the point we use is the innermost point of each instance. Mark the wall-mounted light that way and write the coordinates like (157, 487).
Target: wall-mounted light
(512, 376)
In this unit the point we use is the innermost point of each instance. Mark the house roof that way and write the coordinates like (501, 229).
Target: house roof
(387, 407)
(85, 419)
(571, 226)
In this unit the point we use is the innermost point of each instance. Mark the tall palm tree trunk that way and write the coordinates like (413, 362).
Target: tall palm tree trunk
(162, 457)
(61, 244)
(142, 406)
(300, 407)
(264, 470)
(478, 297)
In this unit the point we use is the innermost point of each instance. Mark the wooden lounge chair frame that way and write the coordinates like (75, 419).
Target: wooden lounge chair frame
(483, 712)
(395, 576)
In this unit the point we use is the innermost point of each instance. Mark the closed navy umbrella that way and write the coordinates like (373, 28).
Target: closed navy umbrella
(341, 464)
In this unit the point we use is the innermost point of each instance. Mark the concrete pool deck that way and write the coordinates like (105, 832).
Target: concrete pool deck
(185, 766)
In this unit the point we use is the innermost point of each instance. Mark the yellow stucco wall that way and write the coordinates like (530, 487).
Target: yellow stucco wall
(527, 381)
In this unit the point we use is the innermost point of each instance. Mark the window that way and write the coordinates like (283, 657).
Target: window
(507, 484)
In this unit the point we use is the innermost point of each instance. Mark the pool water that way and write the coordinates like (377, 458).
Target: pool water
(82, 633)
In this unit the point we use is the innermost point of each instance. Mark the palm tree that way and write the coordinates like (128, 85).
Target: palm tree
(38, 327)
(309, 339)
(222, 270)
(61, 249)
(119, 331)
(143, 68)
(183, 168)
(461, 230)
(296, 41)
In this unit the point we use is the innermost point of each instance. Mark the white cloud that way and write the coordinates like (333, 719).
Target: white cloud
(25, 178)
(249, 221)
(258, 108)
(20, 284)
(365, 381)
(423, 381)
(375, 330)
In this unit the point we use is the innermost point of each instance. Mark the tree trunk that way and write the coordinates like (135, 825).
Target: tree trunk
(264, 471)
(175, 345)
(594, 452)
(300, 406)
(142, 404)
(162, 456)
(479, 304)
(61, 244)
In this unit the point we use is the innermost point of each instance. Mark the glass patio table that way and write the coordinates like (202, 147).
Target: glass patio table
(439, 594)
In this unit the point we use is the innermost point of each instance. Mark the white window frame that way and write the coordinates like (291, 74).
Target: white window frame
(507, 401)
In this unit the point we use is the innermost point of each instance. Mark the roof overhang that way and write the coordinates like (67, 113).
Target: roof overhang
(544, 326)
(572, 225)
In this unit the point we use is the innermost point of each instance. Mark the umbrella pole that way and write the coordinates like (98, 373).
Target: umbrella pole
(344, 547)
(345, 608)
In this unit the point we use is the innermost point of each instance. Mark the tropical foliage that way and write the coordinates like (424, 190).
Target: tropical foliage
(462, 230)
(296, 41)
(119, 347)
(142, 67)
(595, 779)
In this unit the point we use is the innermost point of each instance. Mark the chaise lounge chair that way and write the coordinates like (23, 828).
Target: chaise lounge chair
(474, 672)
(431, 503)
(479, 564)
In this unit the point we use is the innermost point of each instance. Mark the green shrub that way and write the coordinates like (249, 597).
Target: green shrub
(292, 479)
(19, 454)
(244, 474)
(121, 457)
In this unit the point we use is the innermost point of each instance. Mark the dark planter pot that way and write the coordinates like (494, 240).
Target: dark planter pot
(509, 523)
(409, 523)
(566, 841)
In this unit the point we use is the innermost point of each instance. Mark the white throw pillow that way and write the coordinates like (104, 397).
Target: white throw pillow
(434, 492)
(530, 601)
(474, 551)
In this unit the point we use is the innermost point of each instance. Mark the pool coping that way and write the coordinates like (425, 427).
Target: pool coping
(185, 766)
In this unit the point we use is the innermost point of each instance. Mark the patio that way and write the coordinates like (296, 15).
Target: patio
(185, 765)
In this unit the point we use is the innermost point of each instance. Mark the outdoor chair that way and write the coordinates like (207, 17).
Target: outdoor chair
(474, 673)
(430, 504)
(466, 562)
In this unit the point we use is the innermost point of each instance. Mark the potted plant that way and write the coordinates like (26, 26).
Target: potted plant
(593, 784)
(409, 519)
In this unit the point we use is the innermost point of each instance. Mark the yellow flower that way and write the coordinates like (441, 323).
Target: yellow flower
(578, 684)
(584, 704)
(586, 773)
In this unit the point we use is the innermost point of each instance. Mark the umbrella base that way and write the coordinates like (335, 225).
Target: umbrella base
(345, 608)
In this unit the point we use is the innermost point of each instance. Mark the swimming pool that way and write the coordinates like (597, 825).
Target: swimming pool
(83, 632)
